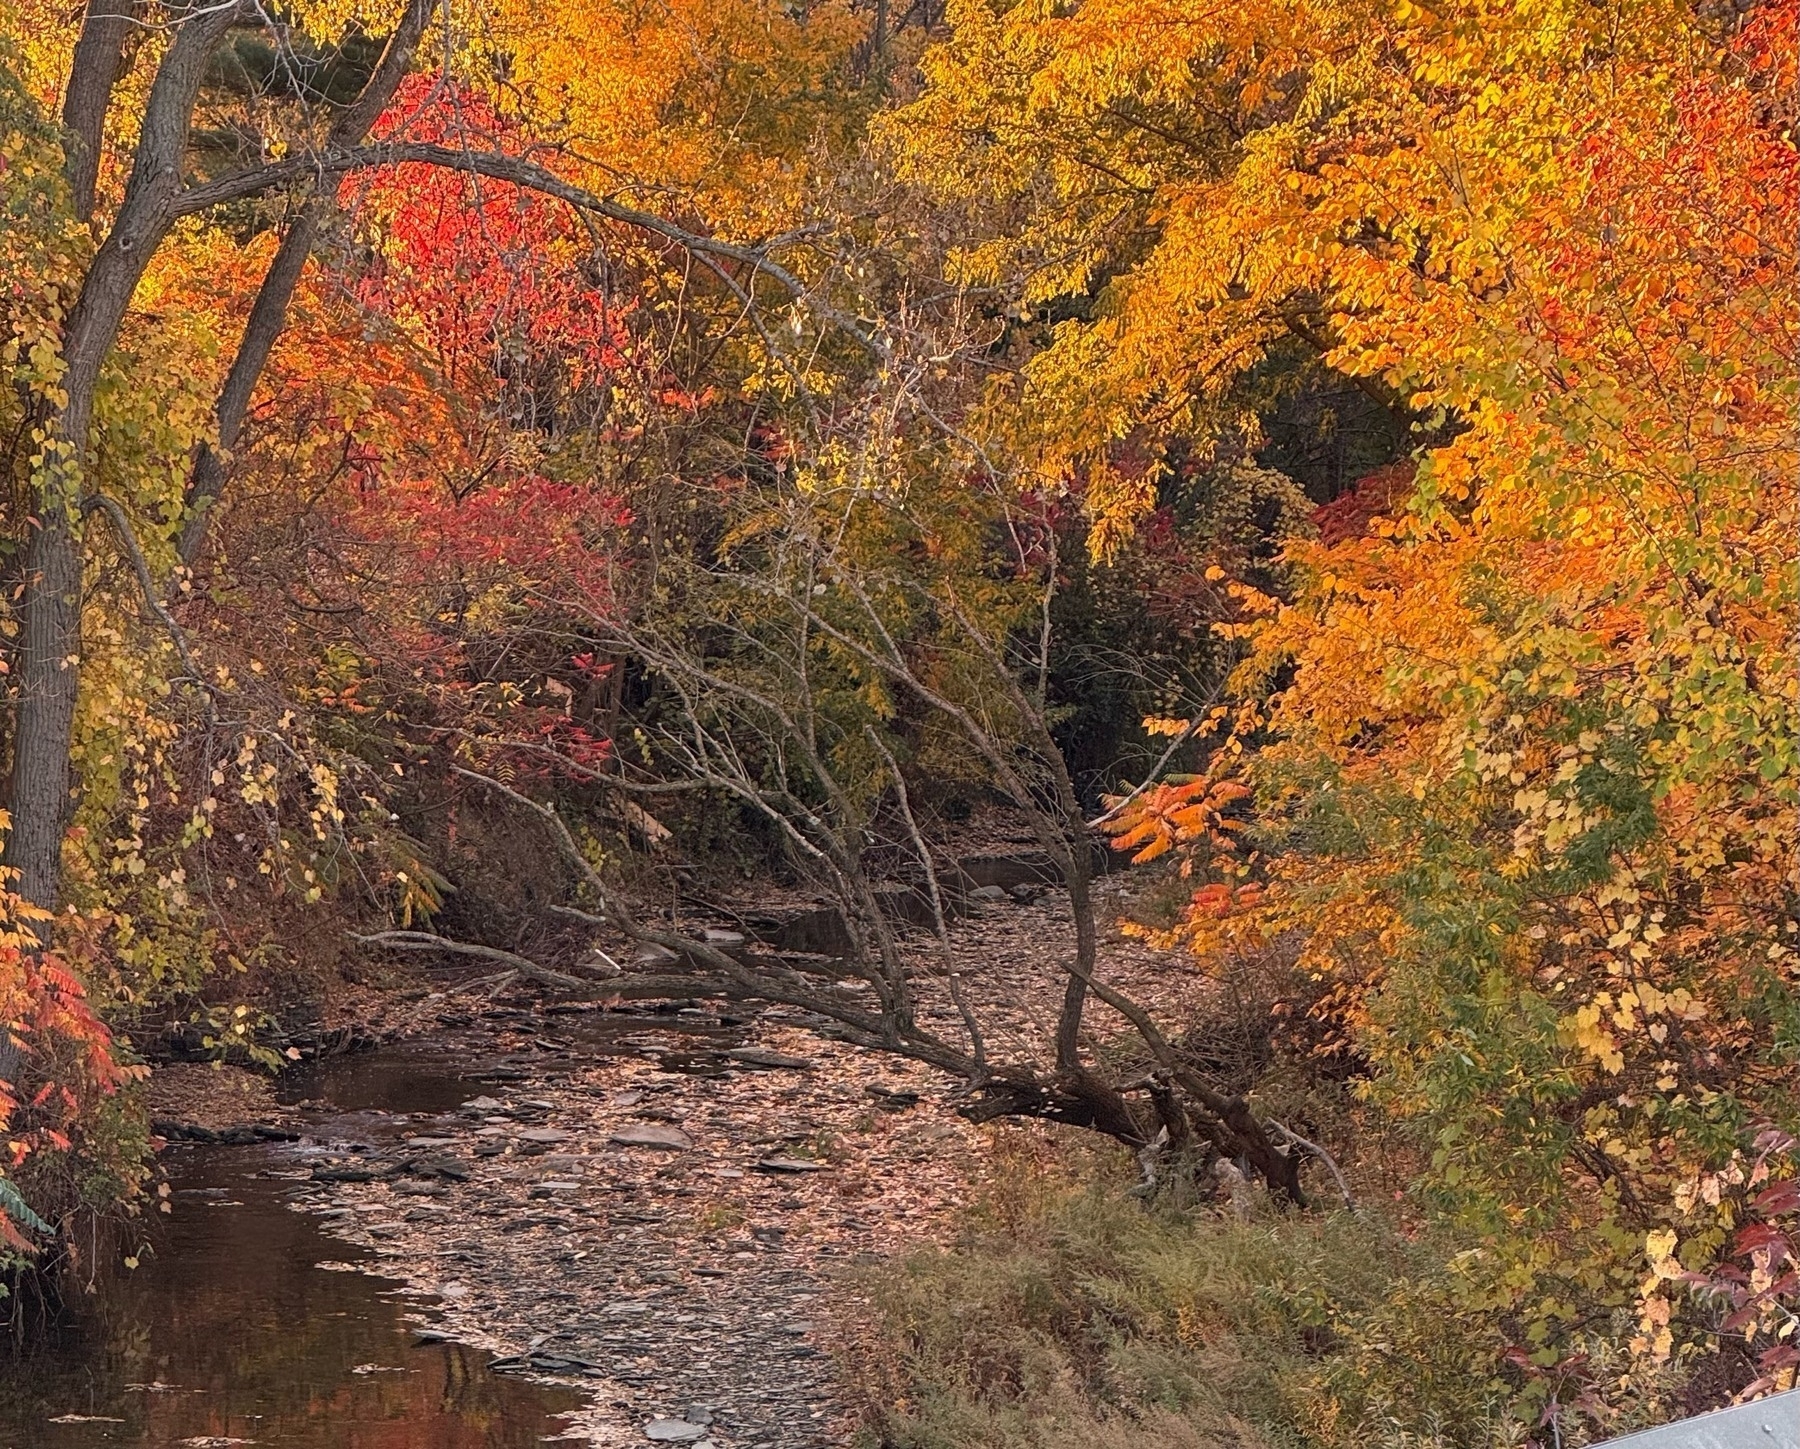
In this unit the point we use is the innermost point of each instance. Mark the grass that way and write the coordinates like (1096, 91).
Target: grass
(1071, 1316)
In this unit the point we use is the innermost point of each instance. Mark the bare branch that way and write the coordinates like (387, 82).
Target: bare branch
(330, 165)
(127, 536)
(268, 314)
(1155, 771)
(427, 941)
(952, 973)
(1294, 1139)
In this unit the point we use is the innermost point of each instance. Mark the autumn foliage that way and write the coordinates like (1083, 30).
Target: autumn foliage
(65, 1067)
(1527, 800)
(830, 349)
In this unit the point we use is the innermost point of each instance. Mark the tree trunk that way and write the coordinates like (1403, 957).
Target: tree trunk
(100, 59)
(1081, 909)
(268, 316)
(51, 647)
(51, 599)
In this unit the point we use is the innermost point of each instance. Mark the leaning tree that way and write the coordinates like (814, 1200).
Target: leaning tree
(839, 630)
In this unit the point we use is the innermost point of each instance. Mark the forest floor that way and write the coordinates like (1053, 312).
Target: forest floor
(659, 1205)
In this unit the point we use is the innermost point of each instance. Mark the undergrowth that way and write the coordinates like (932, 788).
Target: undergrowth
(1069, 1314)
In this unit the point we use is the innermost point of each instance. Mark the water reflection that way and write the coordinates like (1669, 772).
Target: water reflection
(228, 1334)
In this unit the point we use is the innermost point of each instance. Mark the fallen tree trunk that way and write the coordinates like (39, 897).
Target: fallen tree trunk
(1171, 1107)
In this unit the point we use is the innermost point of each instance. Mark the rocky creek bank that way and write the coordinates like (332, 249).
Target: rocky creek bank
(655, 1203)
(648, 1204)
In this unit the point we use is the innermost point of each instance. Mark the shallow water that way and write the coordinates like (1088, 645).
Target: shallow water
(230, 1333)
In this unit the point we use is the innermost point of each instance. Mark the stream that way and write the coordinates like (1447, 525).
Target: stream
(229, 1332)
(647, 1200)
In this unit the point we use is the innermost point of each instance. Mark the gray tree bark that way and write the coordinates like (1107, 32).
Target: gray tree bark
(100, 59)
(51, 603)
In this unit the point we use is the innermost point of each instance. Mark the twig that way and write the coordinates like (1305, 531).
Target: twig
(428, 941)
(127, 536)
(493, 983)
(587, 917)
(1193, 726)
(953, 975)
(1294, 1139)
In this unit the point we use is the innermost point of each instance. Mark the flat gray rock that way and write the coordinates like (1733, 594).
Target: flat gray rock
(790, 1164)
(759, 1057)
(652, 1134)
(673, 1431)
